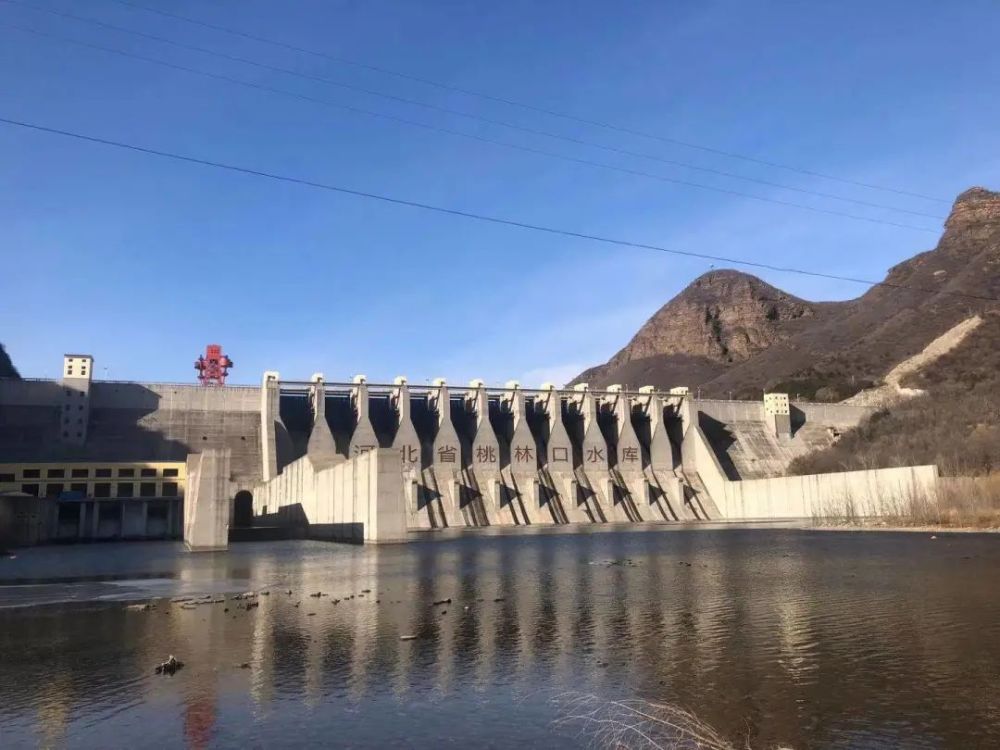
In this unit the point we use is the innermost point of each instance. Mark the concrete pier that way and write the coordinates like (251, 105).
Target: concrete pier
(483, 497)
(666, 497)
(207, 501)
(363, 435)
(321, 448)
(560, 487)
(519, 456)
(443, 477)
(407, 444)
(591, 464)
(625, 453)
(269, 416)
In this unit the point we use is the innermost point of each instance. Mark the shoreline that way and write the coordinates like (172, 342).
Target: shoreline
(921, 529)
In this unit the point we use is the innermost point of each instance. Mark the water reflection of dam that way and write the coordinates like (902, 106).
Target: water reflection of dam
(748, 632)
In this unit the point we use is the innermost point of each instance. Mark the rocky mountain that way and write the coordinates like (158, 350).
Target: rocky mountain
(731, 333)
(721, 320)
(7, 369)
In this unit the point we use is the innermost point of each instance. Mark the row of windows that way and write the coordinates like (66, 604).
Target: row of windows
(103, 489)
(84, 474)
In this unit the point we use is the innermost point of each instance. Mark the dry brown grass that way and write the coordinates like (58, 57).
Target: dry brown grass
(636, 723)
(958, 503)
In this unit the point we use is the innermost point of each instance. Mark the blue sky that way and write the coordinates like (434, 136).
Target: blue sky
(142, 261)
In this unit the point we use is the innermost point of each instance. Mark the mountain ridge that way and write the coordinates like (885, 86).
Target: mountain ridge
(821, 350)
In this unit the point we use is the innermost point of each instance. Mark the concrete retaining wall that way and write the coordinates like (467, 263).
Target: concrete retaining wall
(360, 499)
(836, 415)
(876, 492)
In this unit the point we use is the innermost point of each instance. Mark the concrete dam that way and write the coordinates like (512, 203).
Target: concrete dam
(82, 459)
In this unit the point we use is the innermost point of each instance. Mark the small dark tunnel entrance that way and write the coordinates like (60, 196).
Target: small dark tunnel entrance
(243, 510)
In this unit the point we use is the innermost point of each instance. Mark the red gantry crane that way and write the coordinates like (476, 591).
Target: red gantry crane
(213, 366)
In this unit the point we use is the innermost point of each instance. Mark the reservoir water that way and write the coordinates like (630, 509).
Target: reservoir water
(798, 638)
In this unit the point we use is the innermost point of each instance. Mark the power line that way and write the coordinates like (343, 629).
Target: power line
(476, 216)
(522, 105)
(459, 113)
(483, 139)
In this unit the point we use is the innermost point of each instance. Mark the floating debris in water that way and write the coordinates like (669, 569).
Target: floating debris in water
(171, 665)
(627, 562)
(407, 637)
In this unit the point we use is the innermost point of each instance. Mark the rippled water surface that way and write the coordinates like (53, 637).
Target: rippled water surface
(807, 639)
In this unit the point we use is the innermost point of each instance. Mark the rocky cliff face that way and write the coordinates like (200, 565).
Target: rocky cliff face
(744, 335)
(725, 316)
(975, 207)
(722, 318)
